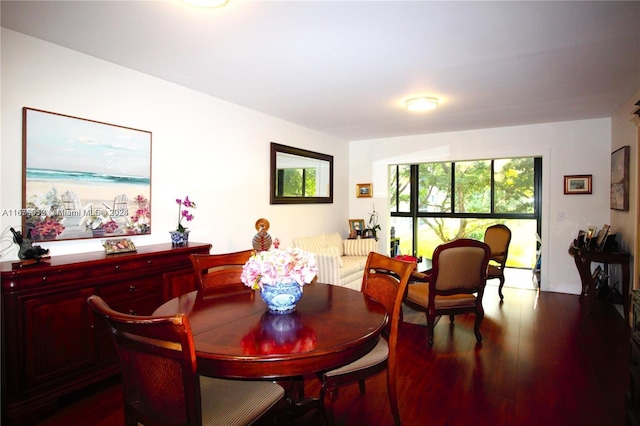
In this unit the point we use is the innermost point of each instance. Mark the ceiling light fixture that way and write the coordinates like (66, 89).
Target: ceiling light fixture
(206, 3)
(421, 103)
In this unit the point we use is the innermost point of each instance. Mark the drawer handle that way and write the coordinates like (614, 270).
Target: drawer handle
(117, 266)
(132, 289)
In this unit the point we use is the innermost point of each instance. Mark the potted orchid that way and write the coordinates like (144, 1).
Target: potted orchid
(280, 276)
(181, 235)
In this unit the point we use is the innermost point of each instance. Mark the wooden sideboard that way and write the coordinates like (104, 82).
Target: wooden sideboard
(52, 344)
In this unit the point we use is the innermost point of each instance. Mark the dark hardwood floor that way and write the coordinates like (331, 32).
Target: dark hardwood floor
(544, 360)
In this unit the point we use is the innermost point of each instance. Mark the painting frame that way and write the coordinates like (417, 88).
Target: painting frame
(356, 225)
(83, 178)
(364, 190)
(619, 195)
(578, 184)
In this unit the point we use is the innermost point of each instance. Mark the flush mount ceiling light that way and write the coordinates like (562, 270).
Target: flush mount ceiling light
(206, 3)
(421, 103)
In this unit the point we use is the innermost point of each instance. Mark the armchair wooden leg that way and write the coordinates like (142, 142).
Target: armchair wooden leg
(500, 288)
(476, 327)
(430, 327)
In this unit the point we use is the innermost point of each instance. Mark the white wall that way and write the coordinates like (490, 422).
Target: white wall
(567, 148)
(215, 152)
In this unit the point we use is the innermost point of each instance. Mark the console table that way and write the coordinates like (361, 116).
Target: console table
(52, 344)
(583, 259)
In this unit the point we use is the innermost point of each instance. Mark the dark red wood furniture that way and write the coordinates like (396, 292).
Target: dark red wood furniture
(52, 344)
(236, 337)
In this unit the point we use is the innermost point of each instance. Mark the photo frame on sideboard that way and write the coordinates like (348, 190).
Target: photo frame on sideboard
(620, 179)
(356, 227)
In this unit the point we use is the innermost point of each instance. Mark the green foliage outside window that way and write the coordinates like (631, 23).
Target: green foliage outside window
(460, 200)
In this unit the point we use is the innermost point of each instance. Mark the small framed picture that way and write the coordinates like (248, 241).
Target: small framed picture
(356, 228)
(364, 190)
(577, 184)
(121, 245)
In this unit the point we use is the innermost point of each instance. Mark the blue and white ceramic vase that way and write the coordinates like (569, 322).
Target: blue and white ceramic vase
(281, 298)
(179, 238)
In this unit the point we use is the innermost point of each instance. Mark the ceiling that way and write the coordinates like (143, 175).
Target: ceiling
(344, 68)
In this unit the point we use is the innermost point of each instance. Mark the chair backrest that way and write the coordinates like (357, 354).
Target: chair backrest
(158, 364)
(459, 266)
(498, 237)
(220, 273)
(385, 279)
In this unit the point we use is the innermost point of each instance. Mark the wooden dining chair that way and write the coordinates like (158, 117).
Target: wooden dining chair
(456, 283)
(497, 237)
(385, 280)
(160, 382)
(220, 273)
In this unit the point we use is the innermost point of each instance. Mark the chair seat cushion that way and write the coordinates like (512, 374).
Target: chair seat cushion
(419, 294)
(377, 355)
(236, 402)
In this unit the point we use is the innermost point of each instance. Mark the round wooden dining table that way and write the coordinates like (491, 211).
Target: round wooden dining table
(235, 336)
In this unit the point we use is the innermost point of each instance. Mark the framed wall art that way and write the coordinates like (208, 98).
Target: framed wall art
(84, 178)
(364, 190)
(577, 184)
(620, 179)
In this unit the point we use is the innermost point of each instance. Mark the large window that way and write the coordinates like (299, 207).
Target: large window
(432, 203)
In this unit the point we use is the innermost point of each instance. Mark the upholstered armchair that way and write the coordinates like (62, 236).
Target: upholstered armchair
(497, 237)
(455, 285)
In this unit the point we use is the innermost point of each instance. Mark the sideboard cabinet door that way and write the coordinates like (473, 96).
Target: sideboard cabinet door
(61, 340)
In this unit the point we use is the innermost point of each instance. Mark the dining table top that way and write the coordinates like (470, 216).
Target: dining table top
(235, 335)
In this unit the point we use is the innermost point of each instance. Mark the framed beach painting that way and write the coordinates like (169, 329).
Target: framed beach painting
(83, 178)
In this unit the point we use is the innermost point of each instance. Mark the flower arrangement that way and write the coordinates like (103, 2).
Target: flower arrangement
(140, 221)
(290, 265)
(98, 219)
(47, 227)
(45, 218)
(184, 213)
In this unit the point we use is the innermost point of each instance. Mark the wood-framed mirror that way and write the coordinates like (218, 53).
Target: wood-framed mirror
(299, 176)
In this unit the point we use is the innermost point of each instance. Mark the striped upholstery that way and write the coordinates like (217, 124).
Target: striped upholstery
(340, 262)
(236, 402)
(360, 247)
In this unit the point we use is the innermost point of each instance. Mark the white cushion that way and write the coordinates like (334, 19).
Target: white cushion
(312, 244)
(335, 240)
(360, 247)
(332, 251)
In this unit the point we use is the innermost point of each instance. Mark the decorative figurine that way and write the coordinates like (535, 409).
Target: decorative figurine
(26, 250)
(262, 240)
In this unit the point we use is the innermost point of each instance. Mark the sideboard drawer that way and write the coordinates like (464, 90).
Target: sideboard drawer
(131, 289)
